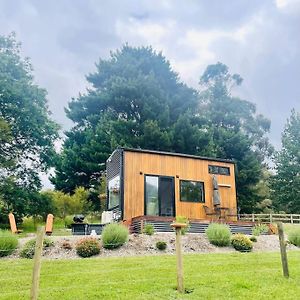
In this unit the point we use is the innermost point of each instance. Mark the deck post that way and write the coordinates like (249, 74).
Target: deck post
(178, 227)
(37, 264)
(284, 260)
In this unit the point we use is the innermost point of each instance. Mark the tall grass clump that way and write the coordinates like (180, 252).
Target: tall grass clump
(218, 234)
(8, 243)
(114, 236)
(294, 236)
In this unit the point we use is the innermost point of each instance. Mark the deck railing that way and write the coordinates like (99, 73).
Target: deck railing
(270, 218)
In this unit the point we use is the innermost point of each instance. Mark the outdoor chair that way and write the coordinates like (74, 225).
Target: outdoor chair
(13, 225)
(49, 224)
(210, 212)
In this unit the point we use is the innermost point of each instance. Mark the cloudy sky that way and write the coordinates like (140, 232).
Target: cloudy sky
(259, 39)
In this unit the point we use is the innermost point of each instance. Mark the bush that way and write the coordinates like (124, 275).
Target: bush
(8, 243)
(241, 243)
(253, 239)
(114, 235)
(160, 245)
(184, 220)
(66, 245)
(218, 234)
(294, 237)
(29, 247)
(259, 229)
(148, 229)
(87, 247)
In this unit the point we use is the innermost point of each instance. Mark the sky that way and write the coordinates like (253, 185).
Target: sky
(258, 39)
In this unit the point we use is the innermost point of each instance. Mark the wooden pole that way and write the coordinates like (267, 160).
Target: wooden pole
(37, 263)
(284, 260)
(180, 285)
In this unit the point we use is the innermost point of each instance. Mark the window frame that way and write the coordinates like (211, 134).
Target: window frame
(218, 172)
(108, 203)
(189, 201)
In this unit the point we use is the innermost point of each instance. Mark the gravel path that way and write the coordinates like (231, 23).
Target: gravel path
(139, 244)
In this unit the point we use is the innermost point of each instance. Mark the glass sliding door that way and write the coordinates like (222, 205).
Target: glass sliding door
(151, 196)
(159, 196)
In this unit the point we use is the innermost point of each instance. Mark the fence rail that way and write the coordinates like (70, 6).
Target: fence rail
(270, 218)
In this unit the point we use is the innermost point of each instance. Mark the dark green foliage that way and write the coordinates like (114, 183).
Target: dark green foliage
(160, 245)
(218, 234)
(286, 182)
(294, 236)
(114, 236)
(27, 133)
(241, 243)
(135, 100)
(88, 247)
(148, 229)
(8, 243)
(236, 131)
(29, 247)
(253, 239)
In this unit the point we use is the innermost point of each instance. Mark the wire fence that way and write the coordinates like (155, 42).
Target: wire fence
(110, 279)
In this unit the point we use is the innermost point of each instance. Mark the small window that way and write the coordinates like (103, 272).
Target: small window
(219, 170)
(114, 195)
(191, 191)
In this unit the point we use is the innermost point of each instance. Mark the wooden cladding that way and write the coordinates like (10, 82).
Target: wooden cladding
(138, 164)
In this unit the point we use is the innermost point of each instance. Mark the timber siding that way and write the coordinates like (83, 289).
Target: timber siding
(139, 163)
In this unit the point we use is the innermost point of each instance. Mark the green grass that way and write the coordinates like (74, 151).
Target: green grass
(208, 276)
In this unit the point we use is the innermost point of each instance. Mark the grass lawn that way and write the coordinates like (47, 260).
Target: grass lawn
(207, 276)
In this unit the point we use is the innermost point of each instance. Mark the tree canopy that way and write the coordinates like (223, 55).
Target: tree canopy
(286, 182)
(137, 100)
(27, 132)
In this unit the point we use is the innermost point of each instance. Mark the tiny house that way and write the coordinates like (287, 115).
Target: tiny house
(163, 184)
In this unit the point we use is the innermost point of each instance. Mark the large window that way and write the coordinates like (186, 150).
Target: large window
(114, 195)
(219, 170)
(191, 191)
(152, 204)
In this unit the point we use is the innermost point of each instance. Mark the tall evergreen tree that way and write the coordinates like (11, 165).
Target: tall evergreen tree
(236, 131)
(135, 100)
(286, 182)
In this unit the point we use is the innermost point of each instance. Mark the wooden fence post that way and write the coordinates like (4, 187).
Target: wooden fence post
(284, 261)
(253, 218)
(37, 263)
(178, 227)
(292, 221)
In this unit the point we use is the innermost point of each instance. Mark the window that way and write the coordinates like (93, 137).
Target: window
(114, 192)
(152, 208)
(219, 170)
(191, 191)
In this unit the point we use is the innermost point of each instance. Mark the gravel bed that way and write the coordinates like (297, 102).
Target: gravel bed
(140, 244)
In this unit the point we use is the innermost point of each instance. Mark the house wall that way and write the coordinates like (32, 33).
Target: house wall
(186, 169)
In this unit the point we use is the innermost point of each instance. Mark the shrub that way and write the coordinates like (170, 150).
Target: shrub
(148, 229)
(253, 239)
(259, 229)
(241, 243)
(114, 235)
(29, 247)
(87, 247)
(160, 245)
(8, 243)
(182, 219)
(218, 234)
(294, 237)
(66, 245)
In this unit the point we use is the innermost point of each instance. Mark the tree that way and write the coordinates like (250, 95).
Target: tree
(27, 132)
(66, 204)
(236, 131)
(286, 182)
(135, 100)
